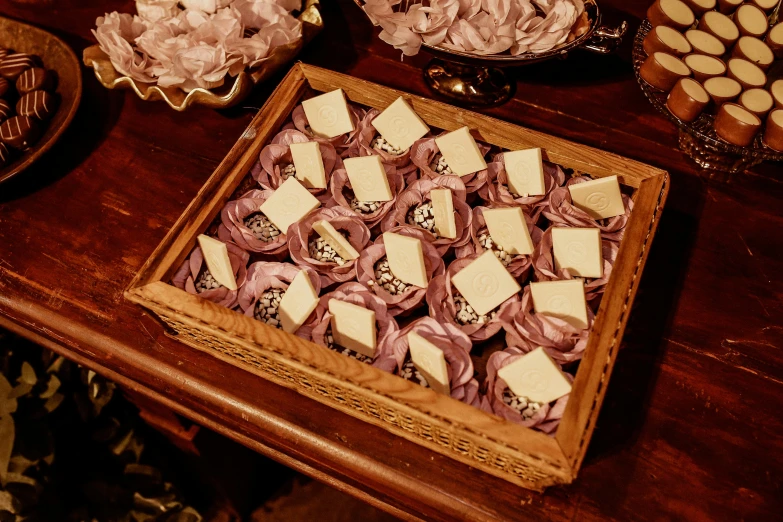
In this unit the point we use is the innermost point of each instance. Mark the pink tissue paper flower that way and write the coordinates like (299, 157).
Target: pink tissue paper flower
(234, 225)
(341, 143)
(189, 276)
(425, 152)
(342, 194)
(362, 146)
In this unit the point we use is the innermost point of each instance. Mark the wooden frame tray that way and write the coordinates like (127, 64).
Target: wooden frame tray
(520, 455)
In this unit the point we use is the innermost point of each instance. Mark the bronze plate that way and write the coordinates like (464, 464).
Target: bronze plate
(58, 57)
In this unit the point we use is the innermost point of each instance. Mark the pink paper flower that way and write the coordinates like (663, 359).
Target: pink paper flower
(355, 293)
(425, 154)
(527, 330)
(496, 192)
(545, 419)
(263, 277)
(341, 143)
(544, 267)
(396, 28)
(243, 223)
(193, 276)
(561, 212)
(456, 348)
(114, 33)
(418, 195)
(342, 194)
(276, 157)
(162, 41)
(301, 235)
(517, 265)
(154, 10)
(444, 304)
(538, 34)
(490, 31)
(432, 21)
(200, 66)
(208, 6)
(258, 14)
(366, 145)
(257, 48)
(397, 301)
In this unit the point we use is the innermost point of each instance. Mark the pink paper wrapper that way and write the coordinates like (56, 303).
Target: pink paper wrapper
(340, 143)
(560, 211)
(440, 298)
(362, 147)
(419, 193)
(233, 226)
(456, 348)
(413, 296)
(263, 276)
(497, 194)
(424, 151)
(357, 294)
(340, 185)
(544, 267)
(520, 266)
(527, 330)
(301, 233)
(188, 273)
(277, 155)
(546, 419)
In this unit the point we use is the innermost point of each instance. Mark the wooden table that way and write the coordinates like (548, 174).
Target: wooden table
(691, 425)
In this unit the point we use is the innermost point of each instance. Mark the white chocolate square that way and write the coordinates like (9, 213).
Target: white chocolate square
(508, 228)
(461, 152)
(406, 259)
(578, 250)
(353, 327)
(600, 198)
(536, 376)
(525, 169)
(485, 283)
(443, 209)
(335, 240)
(328, 114)
(400, 125)
(562, 299)
(368, 178)
(309, 164)
(297, 303)
(430, 361)
(289, 203)
(216, 257)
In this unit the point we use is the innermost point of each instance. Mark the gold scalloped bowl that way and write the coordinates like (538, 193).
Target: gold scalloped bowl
(225, 96)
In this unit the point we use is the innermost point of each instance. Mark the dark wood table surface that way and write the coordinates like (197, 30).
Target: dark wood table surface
(691, 427)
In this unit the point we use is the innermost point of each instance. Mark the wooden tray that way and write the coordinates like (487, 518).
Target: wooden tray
(520, 455)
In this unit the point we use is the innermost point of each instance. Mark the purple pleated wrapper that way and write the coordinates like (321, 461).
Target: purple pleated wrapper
(301, 233)
(340, 183)
(561, 212)
(232, 227)
(357, 294)
(264, 276)
(414, 295)
(361, 147)
(278, 154)
(423, 152)
(527, 330)
(546, 419)
(440, 298)
(497, 194)
(456, 348)
(340, 143)
(188, 273)
(419, 193)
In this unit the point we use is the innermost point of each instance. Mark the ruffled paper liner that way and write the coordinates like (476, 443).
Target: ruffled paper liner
(340, 143)
(546, 419)
(357, 294)
(456, 348)
(264, 276)
(424, 151)
(300, 233)
(232, 227)
(340, 182)
(520, 266)
(440, 298)
(560, 211)
(419, 193)
(527, 330)
(278, 153)
(185, 277)
(544, 267)
(414, 295)
(497, 194)
(362, 147)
